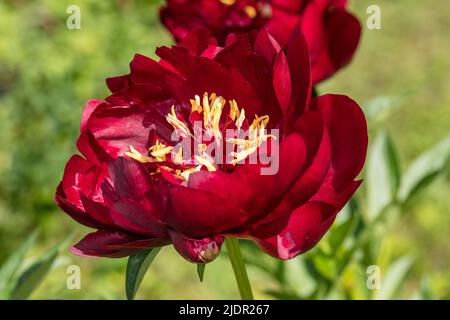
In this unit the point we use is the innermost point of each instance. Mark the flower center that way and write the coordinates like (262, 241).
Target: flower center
(210, 119)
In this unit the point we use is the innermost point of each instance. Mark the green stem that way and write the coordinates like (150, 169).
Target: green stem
(234, 252)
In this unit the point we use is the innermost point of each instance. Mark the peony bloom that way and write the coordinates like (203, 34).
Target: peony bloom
(331, 31)
(138, 190)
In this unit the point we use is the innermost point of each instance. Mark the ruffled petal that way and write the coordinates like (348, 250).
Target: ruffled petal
(116, 129)
(76, 213)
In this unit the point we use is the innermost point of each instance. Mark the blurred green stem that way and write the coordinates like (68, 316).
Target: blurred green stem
(234, 252)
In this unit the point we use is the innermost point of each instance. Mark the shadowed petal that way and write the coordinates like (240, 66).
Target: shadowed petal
(113, 244)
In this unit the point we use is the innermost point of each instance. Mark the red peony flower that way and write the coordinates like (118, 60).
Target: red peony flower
(139, 190)
(331, 31)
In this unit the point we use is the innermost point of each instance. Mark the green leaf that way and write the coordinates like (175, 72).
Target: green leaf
(9, 268)
(201, 271)
(32, 277)
(137, 266)
(424, 169)
(394, 278)
(383, 175)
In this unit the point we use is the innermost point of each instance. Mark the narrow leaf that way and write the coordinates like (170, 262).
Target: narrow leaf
(137, 266)
(201, 271)
(424, 169)
(33, 276)
(383, 175)
(12, 264)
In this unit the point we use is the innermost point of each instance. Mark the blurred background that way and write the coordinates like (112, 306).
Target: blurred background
(399, 221)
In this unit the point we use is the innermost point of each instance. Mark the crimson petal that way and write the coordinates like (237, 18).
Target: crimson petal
(113, 244)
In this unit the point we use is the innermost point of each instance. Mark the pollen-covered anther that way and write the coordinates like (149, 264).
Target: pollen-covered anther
(158, 153)
(228, 2)
(136, 155)
(251, 11)
(177, 124)
(256, 137)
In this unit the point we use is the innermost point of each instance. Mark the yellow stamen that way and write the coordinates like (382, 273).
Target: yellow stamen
(176, 123)
(212, 108)
(228, 2)
(250, 11)
(159, 151)
(136, 155)
(179, 156)
(201, 148)
(240, 119)
(234, 110)
(205, 162)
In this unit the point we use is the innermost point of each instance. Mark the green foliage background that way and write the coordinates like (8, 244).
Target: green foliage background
(47, 72)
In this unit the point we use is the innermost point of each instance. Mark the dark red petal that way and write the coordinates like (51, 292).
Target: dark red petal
(199, 213)
(267, 46)
(118, 83)
(113, 244)
(98, 211)
(144, 95)
(282, 81)
(74, 212)
(206, 75)
(146, 70)
(332, 35)
(336, 197)
(197, 250)
(130, 179)
(257, 71)
(74, 179)
(348, 133)
(196, 41)
(91, 105)
(290, 5)
(139, 217)
(282, 24)
(344, 32)
(89, 148)
(116, 129)
(299, 65)
(297, 232)
(315, 169)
